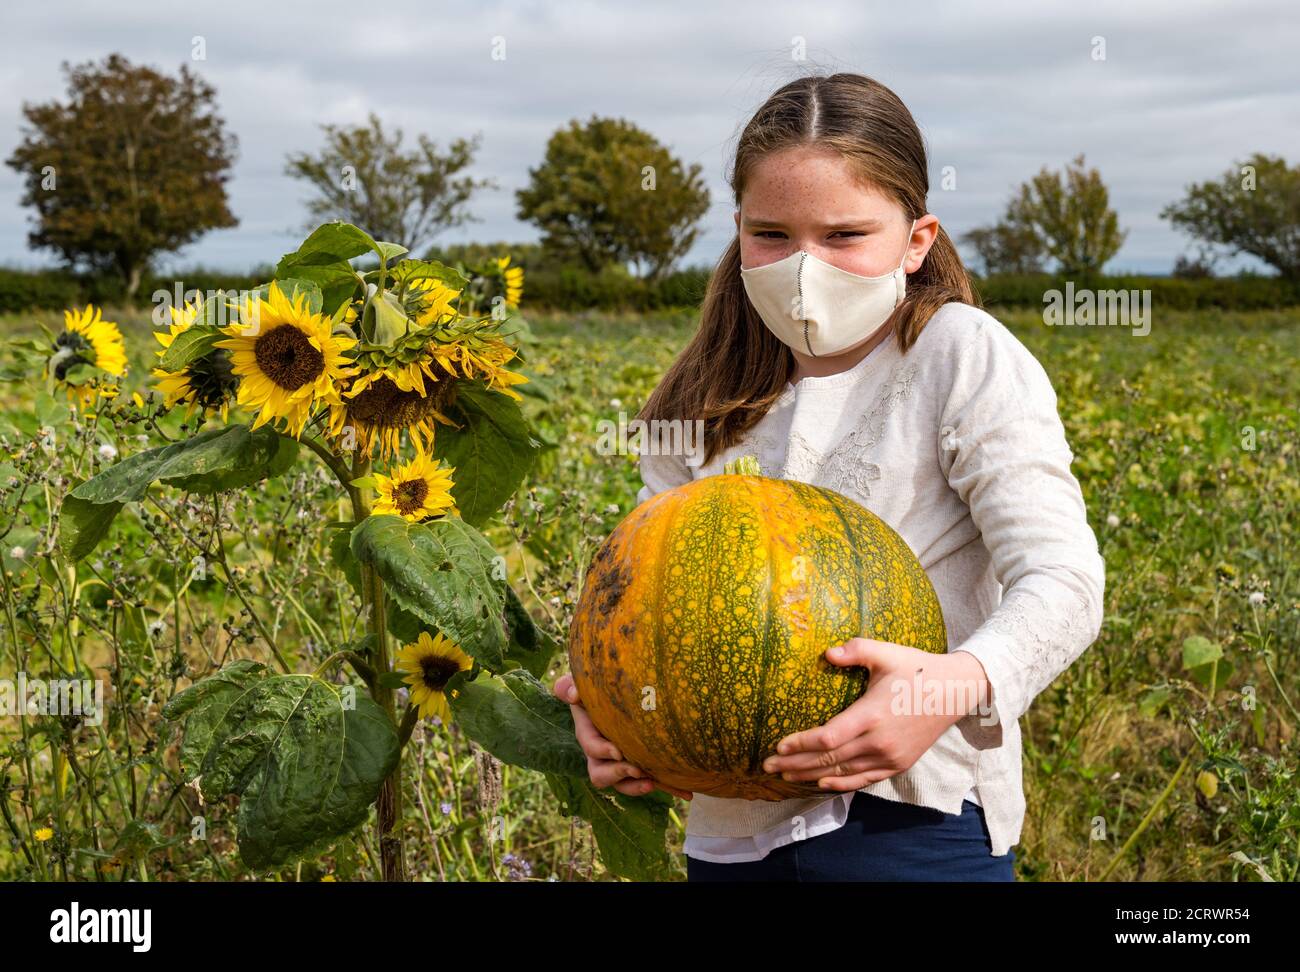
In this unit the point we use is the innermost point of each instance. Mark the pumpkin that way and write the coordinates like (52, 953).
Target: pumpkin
(698, 641)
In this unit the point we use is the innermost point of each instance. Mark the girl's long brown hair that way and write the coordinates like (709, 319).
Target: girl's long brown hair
(735, 368)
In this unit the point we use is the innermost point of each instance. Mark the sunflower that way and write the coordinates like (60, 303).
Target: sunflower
(429, 663)
(514, 277)
(87, 339)
(417, 490)
(484, 357)
(379, 405)
(208, 382)
(286, 356)
(432, 301)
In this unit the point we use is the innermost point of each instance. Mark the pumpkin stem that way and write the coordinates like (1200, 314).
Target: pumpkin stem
(742, 466)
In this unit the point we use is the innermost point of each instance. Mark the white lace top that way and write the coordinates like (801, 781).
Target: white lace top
(958, 446)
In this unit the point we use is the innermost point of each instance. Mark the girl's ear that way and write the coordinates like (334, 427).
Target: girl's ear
(927, 227)
(737, 214)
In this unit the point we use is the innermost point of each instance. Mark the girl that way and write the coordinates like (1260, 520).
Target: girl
(841, 344)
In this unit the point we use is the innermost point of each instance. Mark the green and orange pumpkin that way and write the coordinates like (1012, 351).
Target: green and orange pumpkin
(698, 641)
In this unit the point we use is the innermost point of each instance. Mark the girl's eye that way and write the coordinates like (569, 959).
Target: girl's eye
(777, 234)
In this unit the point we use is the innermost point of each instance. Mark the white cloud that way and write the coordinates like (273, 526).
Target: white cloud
(998, 89)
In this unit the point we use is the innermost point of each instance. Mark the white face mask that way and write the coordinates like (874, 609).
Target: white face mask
(816, 307)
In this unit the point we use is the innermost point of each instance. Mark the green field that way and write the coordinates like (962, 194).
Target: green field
(1137, 765)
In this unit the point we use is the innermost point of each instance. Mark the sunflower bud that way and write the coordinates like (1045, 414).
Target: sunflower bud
(384, 322)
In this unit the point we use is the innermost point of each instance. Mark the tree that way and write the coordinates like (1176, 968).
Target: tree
(1006, 247)
(133, 165)
(1071, 216)
(363, 176)
(609, 193)
(1253, 208)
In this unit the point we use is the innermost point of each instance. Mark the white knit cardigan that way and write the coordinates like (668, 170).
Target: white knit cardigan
(958, 446)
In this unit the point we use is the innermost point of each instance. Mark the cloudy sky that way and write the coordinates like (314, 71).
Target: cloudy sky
(999, 90)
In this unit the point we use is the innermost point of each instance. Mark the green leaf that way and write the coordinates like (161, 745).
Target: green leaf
(492, 452)
(516, 330)
(406, 271)
(341, 554)
(329, 243)
(83, 524)
(629, 830)
(530, 647)
(1154, 700)
(389, 251)
(338, 283)
(291, 287)
(541, 387)
(1213, 675)
(305, 759)
(443, 572)
(517, 720)
(1198, 651)
(215, 459)
(229, 457)
(206, 702)
(403, 625)
(22, 359)
(323, 258)
(188, 346)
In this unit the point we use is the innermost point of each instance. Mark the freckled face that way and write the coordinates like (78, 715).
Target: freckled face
(807, 198)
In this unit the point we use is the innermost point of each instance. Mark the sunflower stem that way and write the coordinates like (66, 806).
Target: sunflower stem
(388, 808)
(409, 719)
(332, 659)
(333, 462)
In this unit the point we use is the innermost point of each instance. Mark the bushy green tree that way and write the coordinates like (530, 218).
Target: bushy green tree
(1253, 208)
(1070, 213)
(132, 165)
(608, 192)
(364, 176)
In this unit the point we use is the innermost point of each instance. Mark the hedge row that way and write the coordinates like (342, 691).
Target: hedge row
(1168, 293)
(614, 289)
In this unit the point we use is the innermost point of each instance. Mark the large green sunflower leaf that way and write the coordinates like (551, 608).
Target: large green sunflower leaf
(188, 346)
(305, 759)
(291, 287)
(323, 258)
(516, 719)
(629, 830)
(446, 574)
(228, 457)
(491, 452)
(83, 524)
(531, 647)
(330, 243)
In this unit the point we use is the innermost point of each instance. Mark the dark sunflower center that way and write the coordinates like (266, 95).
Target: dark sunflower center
(409, 496)
(211, 378)
(437, 671)
(70, 347)
(382, 404)
(286, 356)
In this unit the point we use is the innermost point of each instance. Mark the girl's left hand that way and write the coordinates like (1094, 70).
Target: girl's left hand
(869, 741)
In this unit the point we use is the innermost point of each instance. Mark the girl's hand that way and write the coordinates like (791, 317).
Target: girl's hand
(869, 741)
(605, 764)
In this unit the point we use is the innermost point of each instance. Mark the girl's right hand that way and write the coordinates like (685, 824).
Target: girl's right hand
(605, 764)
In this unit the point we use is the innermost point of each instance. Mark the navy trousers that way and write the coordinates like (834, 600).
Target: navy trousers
(882, 840)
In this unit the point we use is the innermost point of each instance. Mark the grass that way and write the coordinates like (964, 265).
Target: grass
(1185, 445)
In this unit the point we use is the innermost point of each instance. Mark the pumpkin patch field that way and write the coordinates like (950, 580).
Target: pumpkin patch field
(292, 667)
